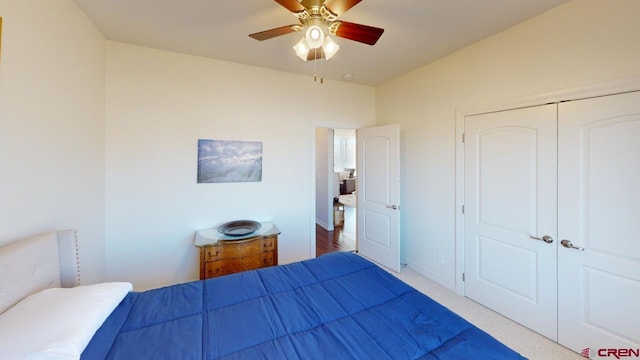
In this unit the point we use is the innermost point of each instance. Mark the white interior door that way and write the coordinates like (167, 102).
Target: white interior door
(599, 199)
(510, 207)
(378, 194)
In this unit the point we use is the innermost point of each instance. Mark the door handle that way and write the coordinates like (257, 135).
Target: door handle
(394, 207)
(569, 245)
(548, 239)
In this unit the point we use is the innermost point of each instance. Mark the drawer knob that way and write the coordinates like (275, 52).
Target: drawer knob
(216, 254)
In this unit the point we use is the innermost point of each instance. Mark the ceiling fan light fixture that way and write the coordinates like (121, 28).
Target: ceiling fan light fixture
(327, 50)
(314, 36)
(302, 49)
(330, 47)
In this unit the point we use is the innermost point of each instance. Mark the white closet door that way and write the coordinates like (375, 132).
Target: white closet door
(599, 213)
(510, 200)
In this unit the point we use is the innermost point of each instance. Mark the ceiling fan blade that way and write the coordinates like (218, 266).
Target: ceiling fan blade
(271, 33)
(361, 33)
(292, 5)
(339, 7)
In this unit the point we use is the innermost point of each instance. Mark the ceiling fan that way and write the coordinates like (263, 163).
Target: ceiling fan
(319, 19)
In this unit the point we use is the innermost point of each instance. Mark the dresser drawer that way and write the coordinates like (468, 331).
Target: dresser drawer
(230, 266)
(228, 257)
(234, 249)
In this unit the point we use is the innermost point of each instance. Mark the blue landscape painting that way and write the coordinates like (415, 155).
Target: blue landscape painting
(221, 161)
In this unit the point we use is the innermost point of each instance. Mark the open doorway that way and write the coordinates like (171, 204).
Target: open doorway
(336, 191)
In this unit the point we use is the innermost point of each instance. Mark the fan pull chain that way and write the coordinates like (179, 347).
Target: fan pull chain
(321, 70)
(315, 67)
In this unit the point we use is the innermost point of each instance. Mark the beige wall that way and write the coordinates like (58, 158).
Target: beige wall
(52, 126)
(580, 43)
(158, 105)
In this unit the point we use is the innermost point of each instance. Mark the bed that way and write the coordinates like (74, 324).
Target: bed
(338, 306)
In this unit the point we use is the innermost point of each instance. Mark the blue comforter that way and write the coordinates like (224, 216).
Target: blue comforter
(338, 306)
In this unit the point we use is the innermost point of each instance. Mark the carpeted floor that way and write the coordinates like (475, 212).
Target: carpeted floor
(528, 343)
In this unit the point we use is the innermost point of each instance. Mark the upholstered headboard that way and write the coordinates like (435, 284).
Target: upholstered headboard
(37, 263)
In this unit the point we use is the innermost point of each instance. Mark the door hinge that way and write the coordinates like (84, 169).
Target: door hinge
(463, 138)
(463, 278)
(462, 209)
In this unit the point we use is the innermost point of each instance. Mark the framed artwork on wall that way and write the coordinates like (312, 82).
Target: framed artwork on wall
(221, 161)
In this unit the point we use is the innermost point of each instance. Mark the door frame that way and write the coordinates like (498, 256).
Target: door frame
(312, 161)
(583, 92)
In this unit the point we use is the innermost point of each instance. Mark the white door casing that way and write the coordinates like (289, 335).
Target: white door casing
(598, 199)
(378, 194)
(510, 205)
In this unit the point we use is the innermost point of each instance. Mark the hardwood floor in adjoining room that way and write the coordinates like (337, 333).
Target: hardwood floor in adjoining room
(332, 241)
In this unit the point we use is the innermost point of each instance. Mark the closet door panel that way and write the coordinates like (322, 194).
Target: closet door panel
(510, 204)
(599, 216)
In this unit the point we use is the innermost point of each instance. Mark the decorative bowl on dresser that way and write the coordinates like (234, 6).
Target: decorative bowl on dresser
(222, 254)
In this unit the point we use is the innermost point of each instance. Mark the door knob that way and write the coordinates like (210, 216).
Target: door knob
(548, 239)
(569, 245)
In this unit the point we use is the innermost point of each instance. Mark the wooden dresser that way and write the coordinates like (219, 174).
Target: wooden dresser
(223, 255)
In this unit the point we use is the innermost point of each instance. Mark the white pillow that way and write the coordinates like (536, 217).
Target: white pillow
(57, 323)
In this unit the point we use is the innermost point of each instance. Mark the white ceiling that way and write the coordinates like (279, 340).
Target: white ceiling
(416, 31)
